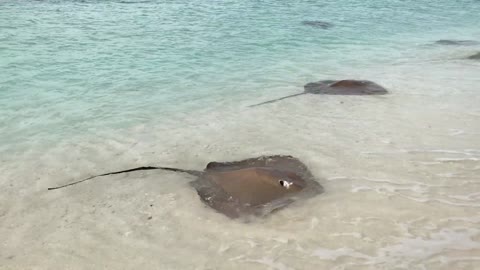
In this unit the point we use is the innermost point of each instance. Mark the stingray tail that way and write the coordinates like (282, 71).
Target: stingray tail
(145, 168)
(275, 100)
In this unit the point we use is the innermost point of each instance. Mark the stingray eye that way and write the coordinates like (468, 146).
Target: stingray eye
(284, 183)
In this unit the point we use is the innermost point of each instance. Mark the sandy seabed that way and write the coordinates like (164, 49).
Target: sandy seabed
(401, 174)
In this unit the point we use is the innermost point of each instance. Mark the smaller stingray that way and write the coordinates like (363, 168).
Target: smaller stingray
(342, 87)
(133, 2)
(250, 187)
(457, 42)
(474, 56)
(318, 24)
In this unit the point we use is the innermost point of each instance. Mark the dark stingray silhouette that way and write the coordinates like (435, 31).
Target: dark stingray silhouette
(475, 56)
(134, 2)
(457, 42)
(342, 87)
(318, 24)
(250, 187)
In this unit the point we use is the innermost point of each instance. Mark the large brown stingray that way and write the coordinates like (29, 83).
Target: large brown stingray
(250, 187)
(342, 87)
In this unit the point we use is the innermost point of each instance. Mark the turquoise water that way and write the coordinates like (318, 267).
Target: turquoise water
(71, 66)
(89, 87)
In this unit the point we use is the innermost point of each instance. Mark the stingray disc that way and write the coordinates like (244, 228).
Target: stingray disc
(256, 186)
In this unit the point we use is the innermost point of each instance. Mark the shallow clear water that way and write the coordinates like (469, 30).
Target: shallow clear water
(94, 86)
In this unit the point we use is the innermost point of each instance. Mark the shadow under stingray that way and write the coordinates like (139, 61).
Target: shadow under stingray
(331, 87)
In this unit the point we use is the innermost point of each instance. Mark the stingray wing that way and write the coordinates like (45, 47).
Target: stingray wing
(215, 197)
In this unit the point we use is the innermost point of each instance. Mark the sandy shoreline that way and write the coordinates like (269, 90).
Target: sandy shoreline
(400, 173)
